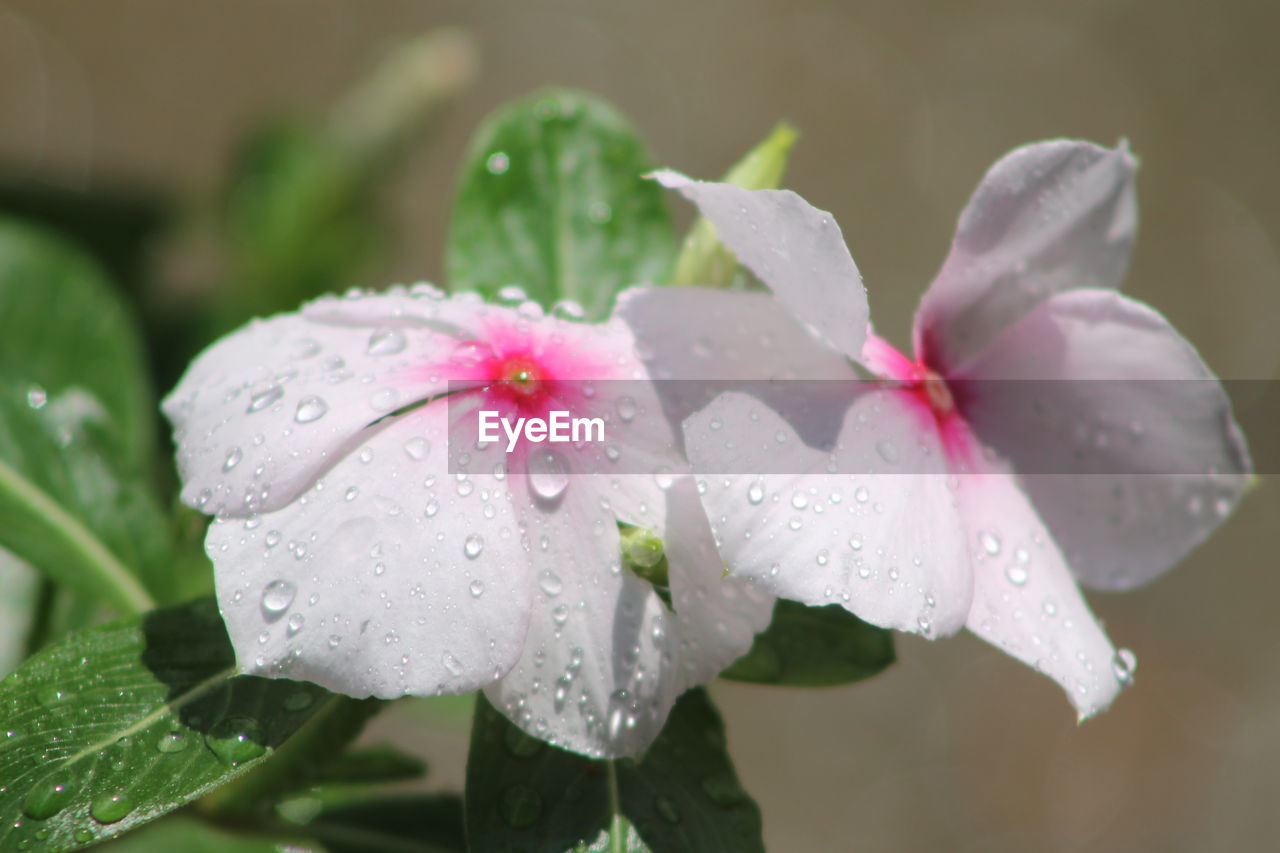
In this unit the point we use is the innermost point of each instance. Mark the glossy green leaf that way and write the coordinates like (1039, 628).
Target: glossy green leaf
(703, 258)
(681, 796)
(62, 327)
(552, 201)
(814, 647)
(121, 724)
(73, 508)
(402, 823)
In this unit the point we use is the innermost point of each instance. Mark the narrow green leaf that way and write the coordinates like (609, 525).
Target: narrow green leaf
(703, 260)
(814, 647)
(119, 725)
(552, 201)
(62, 327)
(194, 836)
(370, 766)
(681, 796)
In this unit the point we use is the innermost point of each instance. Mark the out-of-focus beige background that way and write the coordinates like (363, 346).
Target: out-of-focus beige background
(902, 106)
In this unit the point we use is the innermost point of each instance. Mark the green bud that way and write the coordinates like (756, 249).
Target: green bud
(643, 554)
(703, 260)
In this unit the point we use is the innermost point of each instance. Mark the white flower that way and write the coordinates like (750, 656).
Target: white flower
(1119, 478)
(348, 552)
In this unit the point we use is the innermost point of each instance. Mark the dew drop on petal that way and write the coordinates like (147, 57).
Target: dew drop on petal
(1016, 574)
(1123, 665)
(755, 492)
(989, 542)
(310, 409)
(277, 596)
(888, 450)
(417, 448)
(473, 545)
(477, 588)
(263, 399)
(387, 342)
(626, 409)
(234, 455)
(550, 582)
(451, 663)
(548, 474)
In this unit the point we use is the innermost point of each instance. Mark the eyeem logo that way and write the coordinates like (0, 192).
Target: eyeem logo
(557, 428)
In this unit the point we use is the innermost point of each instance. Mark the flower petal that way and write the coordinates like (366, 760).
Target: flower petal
(1130, 471)
(261, 413)
(794, 248)
(1046, 218)
(592, 675)
(387, 577)
(1025, 601)
(887, 546)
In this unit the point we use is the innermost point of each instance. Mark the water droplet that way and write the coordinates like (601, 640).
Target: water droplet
(234, 455)
(473, 545)
(1049, 608)
(417, 448)
(755, 492)
(520, 806)
(387, 342)
(550, 582)
(989, 542)
(276, 598)
(1016, 574)
(352, 493)
(310, 410)
(626, 409)
(1123, 665)
(265, 398)
(111, 809)
(37, 397)
(296, 623)
(451, 663)
(498, 163)
(799, 500)
(861, 495)
(560, 614)
(548, 474)
(433, 506)
(48, 798)
(272, 539)
(567, 309)
(305, 348)
(174, 741)
(235, 740)
(888, 450)
(477, 588)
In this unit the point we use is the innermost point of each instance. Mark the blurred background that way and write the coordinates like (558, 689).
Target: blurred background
(136, 110)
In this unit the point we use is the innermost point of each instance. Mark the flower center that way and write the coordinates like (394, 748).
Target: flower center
(521, 374)
(936, 392)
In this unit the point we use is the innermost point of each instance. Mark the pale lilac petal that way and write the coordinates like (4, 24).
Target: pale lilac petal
(386, 577)
(794, 248)
(1046, 218)
(266, 409)
(887, 546)
(1025, 601)
(1182, 461)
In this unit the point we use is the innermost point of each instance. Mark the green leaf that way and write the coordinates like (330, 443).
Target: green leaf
(552, 201)
(525, 795)
(405, 823)
(193, 836)
(62, 327)
(124, 723)
(64, 511)
(372, 765)
(682, 795)
(814, 647)
(19, 604)
(703, 259)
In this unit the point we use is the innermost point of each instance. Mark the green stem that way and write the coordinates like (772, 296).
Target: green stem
(617, 832)
(92, 566)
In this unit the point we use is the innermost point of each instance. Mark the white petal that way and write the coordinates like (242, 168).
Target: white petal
(794, 248)
(387, 577)
(1046, 218)
(605, 658)
(717, 616)
(1128, 470)
(591, 678)
(700, 333)
(266, 409)
(841, 527)
(1025, 601)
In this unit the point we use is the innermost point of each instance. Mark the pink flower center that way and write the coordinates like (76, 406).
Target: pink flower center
(926, 388)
